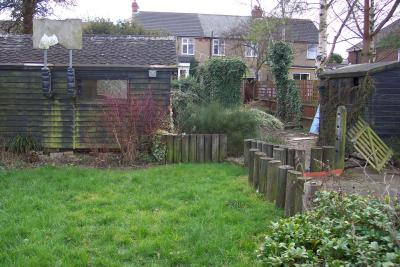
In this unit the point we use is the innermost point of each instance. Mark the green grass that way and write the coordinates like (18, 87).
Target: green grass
(198, 215)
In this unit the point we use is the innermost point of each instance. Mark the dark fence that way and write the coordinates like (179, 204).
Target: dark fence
(196, 148)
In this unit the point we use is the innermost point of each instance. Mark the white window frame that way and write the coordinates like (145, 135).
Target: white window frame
(185, 67)
(309, 55)
(251, 49)
(302, 73)
(187, 42)
(398, 55)
(220, 43)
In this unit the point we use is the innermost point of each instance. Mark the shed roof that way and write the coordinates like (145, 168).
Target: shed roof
(211, 25)
(135, 51)
(360, 69)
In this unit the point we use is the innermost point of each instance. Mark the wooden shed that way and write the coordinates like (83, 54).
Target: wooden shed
(369, 91)
(128, 64)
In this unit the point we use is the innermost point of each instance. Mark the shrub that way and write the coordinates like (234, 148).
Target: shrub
(133, 123)
(266, 121)
(22, 144)
(340, 231)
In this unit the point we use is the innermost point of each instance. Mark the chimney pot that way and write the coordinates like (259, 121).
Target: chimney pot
(257, 12)
(135, 7)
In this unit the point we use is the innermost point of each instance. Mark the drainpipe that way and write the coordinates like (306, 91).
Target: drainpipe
(211, 44)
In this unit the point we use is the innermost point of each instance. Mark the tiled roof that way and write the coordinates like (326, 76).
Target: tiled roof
(361, 69)
(97, 50)
(209, 25)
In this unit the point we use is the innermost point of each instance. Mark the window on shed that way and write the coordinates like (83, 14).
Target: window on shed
(91, 89)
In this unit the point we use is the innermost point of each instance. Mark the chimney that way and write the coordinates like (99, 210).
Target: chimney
(135, 8)
(257, 12)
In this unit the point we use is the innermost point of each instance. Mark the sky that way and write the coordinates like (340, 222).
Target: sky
(121, 10)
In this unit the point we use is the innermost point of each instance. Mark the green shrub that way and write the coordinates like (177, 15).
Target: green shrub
(22, 144)
(266, 121)
(340, 231)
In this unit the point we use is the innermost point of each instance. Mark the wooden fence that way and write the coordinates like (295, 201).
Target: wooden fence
(279, 173)
(196, 148)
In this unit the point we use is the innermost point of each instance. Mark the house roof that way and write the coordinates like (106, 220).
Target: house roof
(358, 70)
(136, 51)
(210, 25)
(393, 27)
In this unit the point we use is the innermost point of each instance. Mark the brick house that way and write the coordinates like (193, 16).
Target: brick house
(382, 54)
(203, 36)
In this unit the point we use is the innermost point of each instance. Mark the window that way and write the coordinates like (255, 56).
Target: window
(398, 55)
(301, 76)
(92, 89)
(251, 49)
(183, 70)
(312, 51)
(187, 46)
(218, 47)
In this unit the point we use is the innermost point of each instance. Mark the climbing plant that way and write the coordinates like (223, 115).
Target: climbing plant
(221, 80)
(288, 99)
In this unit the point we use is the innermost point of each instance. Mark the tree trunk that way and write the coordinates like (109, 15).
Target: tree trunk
(28, 11)
(366, 35)
(322, 37)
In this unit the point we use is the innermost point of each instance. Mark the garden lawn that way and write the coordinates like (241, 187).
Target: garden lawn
(200, 215)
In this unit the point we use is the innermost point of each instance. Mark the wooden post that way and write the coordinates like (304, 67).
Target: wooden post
(328, 157)
(193, 148)
(340, 142)
(272, 179)
(200, 148)
(299, 194)
(170, 149)
(247, 147)
(291, 157)
(254, 144)
(207, 148)
(223, 147)
(262, 183)
(310, 188)
(281, 188)
(280, 154)
(252, 153)
(264, 148)
(270, 150)
(316, 159)
(215, 148)
(300, 160)
(290, 192)
(259, 145)
(256, 170)
(185, 148)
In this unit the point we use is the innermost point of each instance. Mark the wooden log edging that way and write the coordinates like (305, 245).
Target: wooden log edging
(195, 148)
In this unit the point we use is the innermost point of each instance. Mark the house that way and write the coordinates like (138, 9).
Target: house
(382, 54)
(203, 36)
(370, 91)
(128, 65)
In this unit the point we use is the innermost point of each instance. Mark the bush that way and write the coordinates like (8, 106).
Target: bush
(22, 144)
(237, 123)
(340, 231)
(266, 121)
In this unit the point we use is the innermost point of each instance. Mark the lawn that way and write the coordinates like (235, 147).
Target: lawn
(199, 215)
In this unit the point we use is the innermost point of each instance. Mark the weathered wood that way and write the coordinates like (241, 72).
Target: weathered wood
(272, 179)
(270, 150)
(185, 148)
(223, 147)
(281, 188)
(250, 166)
(200, 148)
(264, 148)
(310, 188)
(340, 141)
(177, 148)
(280, 154)
(192, 148)
(170, 149)
(247, 147)
(316, 159)
(291, 157)
(299, 194)
(290, 197)
(215, 148)
(300, 160)
(262, 183)
(256, 170)
(254, 144)
(328, 157)
(259, 145)
(207, 148)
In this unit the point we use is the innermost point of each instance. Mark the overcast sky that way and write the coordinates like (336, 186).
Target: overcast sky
(121, 9)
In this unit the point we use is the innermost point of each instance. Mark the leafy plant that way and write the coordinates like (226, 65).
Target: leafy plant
(265, 120)
(22, 144)
(106, 26)
(340, 231)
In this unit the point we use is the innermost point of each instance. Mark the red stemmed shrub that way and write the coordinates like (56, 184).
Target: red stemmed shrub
(133, 123)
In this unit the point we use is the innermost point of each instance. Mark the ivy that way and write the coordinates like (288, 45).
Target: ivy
(288, 99)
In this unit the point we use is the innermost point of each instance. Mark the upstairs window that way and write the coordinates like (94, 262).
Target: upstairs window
(251, 49)
(187, 46)
(301, 76)
(218, 47)
(312, 51)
